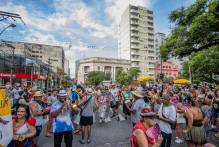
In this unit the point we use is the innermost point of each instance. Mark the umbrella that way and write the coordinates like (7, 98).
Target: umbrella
(182, 82)
(145, 79)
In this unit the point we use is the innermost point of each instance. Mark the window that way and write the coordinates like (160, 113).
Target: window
(98, 68)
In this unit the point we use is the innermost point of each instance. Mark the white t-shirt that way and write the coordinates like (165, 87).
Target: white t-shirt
(170, 113)
(137, 106)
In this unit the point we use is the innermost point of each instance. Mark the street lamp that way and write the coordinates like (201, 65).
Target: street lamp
(11, 25)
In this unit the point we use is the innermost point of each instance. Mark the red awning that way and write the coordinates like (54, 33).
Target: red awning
(21, 76)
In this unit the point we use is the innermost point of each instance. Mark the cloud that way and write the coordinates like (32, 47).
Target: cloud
(115, 8)
(73, 22)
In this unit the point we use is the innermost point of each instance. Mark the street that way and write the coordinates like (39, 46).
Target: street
(112, 134)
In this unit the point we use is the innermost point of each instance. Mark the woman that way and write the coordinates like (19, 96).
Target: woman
(146, 133)
(23, 128)
(216, 111)
(195, 133)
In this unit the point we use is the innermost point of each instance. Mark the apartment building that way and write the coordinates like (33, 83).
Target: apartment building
(136, 41)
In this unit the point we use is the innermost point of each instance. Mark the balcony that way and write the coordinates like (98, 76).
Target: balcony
(134, 34)
(135, 46)
(134, 17)
(134, 28)
(135, 59)
(135, 41)
(134, 23)
(134, 11)
(135, 53)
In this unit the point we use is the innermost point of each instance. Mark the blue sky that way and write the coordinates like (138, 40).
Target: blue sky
(90, 26)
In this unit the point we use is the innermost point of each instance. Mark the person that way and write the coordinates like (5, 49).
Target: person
(115, 101)
(127, 97)
(16, 93)
(51, 99)
(138, 104)
(146, 132)
(195, 133)
(180, 121)
(215, 106)
(62, 120)
(166, 117)
(86, 120)
(37, 112)
(23, 127)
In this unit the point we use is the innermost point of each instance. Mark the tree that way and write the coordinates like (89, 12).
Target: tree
(96, 77)
(196, 29)
(126, 78)
(204, 65)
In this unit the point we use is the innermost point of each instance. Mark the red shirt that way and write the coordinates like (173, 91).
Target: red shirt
(140, 126)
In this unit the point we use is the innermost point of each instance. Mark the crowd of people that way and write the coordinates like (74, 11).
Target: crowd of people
(155, 112)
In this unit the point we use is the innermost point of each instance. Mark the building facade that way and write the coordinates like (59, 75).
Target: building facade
(169, 69)
(108, 65)
(66, 68)
(159, 39)
(136, 41)
(48, 54)
(34, 59)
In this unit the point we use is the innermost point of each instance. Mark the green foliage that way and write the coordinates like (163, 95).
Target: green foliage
(196, 29)
(168, 79)
(204, 65)
(96, 77)
(126, 78)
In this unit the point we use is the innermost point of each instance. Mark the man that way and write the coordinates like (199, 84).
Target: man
(86, 119)
(137, 106)
(166, 116)
(37, 111)
(51, 99)
(115, 101)
(16, 93)
(62, 120)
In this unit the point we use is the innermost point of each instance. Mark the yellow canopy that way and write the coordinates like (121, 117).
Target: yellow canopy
(145, 78)
(182, 82)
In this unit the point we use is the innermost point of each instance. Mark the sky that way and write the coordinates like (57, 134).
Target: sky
(85, 28)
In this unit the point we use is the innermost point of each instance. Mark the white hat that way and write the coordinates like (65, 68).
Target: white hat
(89, 90)
(62, 93)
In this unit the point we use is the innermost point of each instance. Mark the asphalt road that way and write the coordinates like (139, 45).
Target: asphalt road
(111, 134)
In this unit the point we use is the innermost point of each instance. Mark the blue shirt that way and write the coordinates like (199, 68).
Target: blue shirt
(62, 122)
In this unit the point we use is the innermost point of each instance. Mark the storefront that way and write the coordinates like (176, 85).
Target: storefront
(30, 79)
(26, 70)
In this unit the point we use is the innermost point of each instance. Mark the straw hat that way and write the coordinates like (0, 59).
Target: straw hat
(137, 93)
(38, 94)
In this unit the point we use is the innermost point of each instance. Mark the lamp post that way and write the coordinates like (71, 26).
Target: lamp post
(11, 25)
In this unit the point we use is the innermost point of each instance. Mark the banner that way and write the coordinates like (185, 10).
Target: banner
(6, 130)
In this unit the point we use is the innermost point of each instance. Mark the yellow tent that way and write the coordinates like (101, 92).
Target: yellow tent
(145, 79)
(182, 82)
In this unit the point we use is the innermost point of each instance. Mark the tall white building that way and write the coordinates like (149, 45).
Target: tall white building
(159, 38)
(136, 41)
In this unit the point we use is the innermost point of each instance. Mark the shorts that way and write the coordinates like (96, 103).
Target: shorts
(38, 131)
(114, 104)
(182, 125)
(86, 120)
(216, 114)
